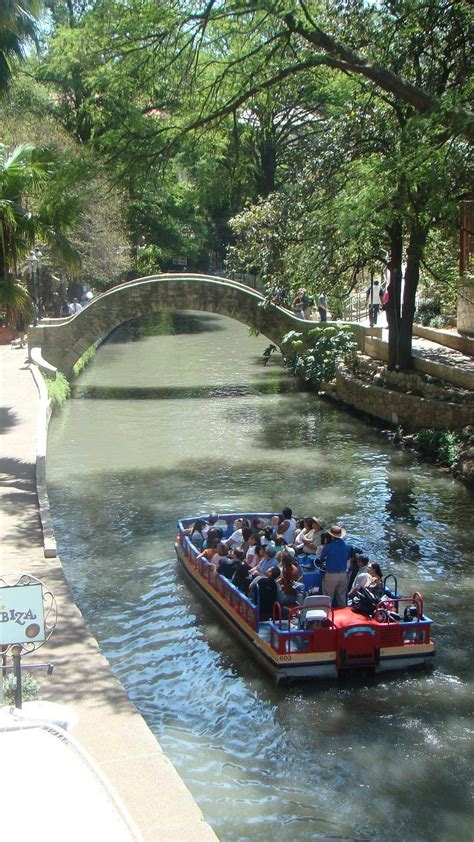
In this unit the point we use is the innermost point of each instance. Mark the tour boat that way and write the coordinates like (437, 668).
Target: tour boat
(315, 640)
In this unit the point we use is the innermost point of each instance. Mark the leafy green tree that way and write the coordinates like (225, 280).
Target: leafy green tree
(18, 21)
(95, 226)
(282, 38)
(395, 175)
(26, 174)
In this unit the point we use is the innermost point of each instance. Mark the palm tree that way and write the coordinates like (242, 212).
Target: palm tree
(25, 173)
(17, 26)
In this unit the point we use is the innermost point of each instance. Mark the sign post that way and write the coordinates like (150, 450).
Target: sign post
(16, 658)
(28, 615)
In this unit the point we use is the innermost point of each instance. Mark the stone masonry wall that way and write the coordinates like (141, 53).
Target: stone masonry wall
(398, 408)
(64, 343)
(465, 314)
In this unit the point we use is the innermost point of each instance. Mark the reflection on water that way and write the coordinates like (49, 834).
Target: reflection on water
(178, 417)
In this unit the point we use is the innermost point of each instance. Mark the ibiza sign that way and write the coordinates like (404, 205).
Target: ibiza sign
(21, 614)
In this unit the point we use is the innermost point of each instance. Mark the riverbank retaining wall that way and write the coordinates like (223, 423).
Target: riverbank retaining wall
(399, 408)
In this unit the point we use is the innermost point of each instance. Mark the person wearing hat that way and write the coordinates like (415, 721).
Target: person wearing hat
(309, 538)
(335, 556)
(210, 523)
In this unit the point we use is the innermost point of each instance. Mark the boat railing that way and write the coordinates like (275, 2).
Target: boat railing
(293, 638)
(244, 607)
(228, 518)
(413, 630)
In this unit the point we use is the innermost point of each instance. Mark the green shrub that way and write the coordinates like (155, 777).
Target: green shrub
(314, 356)
(29, 688)
(428, 312)
(59, 389)
(437, 321)
(444, 445)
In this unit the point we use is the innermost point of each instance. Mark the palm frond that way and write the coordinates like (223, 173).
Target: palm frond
(15, 300)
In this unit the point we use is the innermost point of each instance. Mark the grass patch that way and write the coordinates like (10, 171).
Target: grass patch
(83, 361)
(59, 389)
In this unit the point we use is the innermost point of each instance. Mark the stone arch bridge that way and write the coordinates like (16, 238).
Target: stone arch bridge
(64, 341)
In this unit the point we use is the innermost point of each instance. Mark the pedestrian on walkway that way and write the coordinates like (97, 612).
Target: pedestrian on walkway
(373, 299)
(74, 307)
(21, 328)
(323, 307)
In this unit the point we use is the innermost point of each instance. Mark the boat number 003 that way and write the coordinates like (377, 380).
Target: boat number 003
(285, 658)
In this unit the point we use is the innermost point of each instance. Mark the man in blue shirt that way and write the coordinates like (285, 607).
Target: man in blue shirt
(335, 555)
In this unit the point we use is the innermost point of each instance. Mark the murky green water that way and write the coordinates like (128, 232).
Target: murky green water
(176, 416)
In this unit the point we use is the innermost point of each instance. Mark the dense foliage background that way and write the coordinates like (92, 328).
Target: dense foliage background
(311, 144)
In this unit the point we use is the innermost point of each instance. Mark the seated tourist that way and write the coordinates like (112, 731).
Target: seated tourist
(263, 591)
(308, 540)
(214, 533)
(235, 539)
(376, 580)
(266, 562)
(267, 537)
(279, 542)
(242, 578)
(363, 576)
(253, 548)
(228, 563)
(352, 566)
(325, 540)
(210, 553)
(285, 525)
(257, 524)
(246, 535)
(195, 533)
(210, 523)
(288, 577)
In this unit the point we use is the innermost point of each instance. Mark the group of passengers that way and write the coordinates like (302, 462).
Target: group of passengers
(267, 560)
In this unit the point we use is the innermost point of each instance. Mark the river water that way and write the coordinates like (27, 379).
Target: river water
(178, 416)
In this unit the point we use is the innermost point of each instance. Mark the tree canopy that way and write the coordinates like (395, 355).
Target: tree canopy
(303, 140)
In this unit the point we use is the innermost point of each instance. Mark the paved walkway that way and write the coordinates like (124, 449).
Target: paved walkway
(441, 354)
(432, 351)
(109, 726)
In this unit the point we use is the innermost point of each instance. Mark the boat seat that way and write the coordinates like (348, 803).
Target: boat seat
(315, 615)
(315, 609)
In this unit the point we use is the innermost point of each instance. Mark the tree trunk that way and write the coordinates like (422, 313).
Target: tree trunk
(393, 306)
(416, 245)
(3, 255)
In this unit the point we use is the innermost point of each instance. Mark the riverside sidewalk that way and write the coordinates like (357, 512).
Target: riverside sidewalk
(440, 355)
(109, 726)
